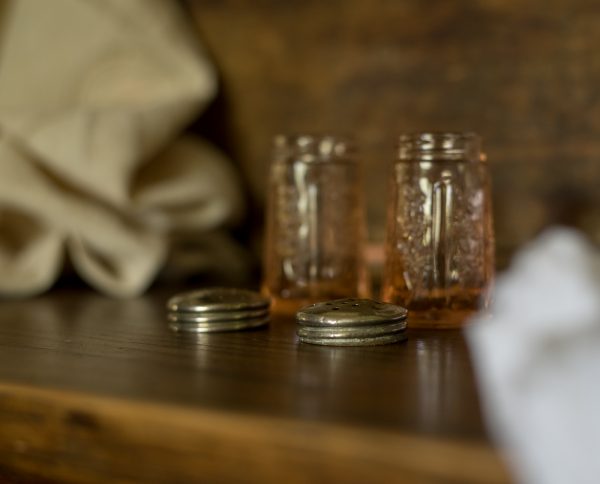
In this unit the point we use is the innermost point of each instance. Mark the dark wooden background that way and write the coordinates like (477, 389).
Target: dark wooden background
(525, 74)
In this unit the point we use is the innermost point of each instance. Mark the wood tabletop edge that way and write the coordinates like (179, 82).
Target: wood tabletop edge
(72, 437)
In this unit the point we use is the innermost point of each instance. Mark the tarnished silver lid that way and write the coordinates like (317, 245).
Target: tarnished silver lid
(350, 312)
(216, 299)
(351, 332)
(217, 309)
(204, 317)
(215, 326)
(352, 322)
(372, 341)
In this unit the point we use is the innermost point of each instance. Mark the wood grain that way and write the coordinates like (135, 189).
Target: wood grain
(92, 388)
(77, 340)
(73, 437)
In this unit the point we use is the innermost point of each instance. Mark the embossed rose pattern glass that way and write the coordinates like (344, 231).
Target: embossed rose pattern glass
(440, 241)
(315, 223)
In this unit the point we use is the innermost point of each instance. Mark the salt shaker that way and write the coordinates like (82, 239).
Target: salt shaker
(439, 238)
(315, 223)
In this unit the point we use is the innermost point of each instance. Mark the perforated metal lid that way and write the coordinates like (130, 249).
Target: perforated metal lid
(352, 322)
(350, 312)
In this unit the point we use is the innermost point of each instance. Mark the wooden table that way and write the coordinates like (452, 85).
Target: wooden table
(99, 390)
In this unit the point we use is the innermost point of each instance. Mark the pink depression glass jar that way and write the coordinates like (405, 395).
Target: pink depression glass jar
(315, 223)
(439, 240)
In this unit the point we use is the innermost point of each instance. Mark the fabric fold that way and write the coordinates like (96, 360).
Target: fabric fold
(94, 96)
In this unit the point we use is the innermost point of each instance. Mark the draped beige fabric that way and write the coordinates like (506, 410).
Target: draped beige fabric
(94, 95)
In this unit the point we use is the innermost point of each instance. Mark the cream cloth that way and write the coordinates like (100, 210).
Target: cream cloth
(93, 96)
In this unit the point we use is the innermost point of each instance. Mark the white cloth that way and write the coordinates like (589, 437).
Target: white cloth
(538, 361)
(93, 97)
